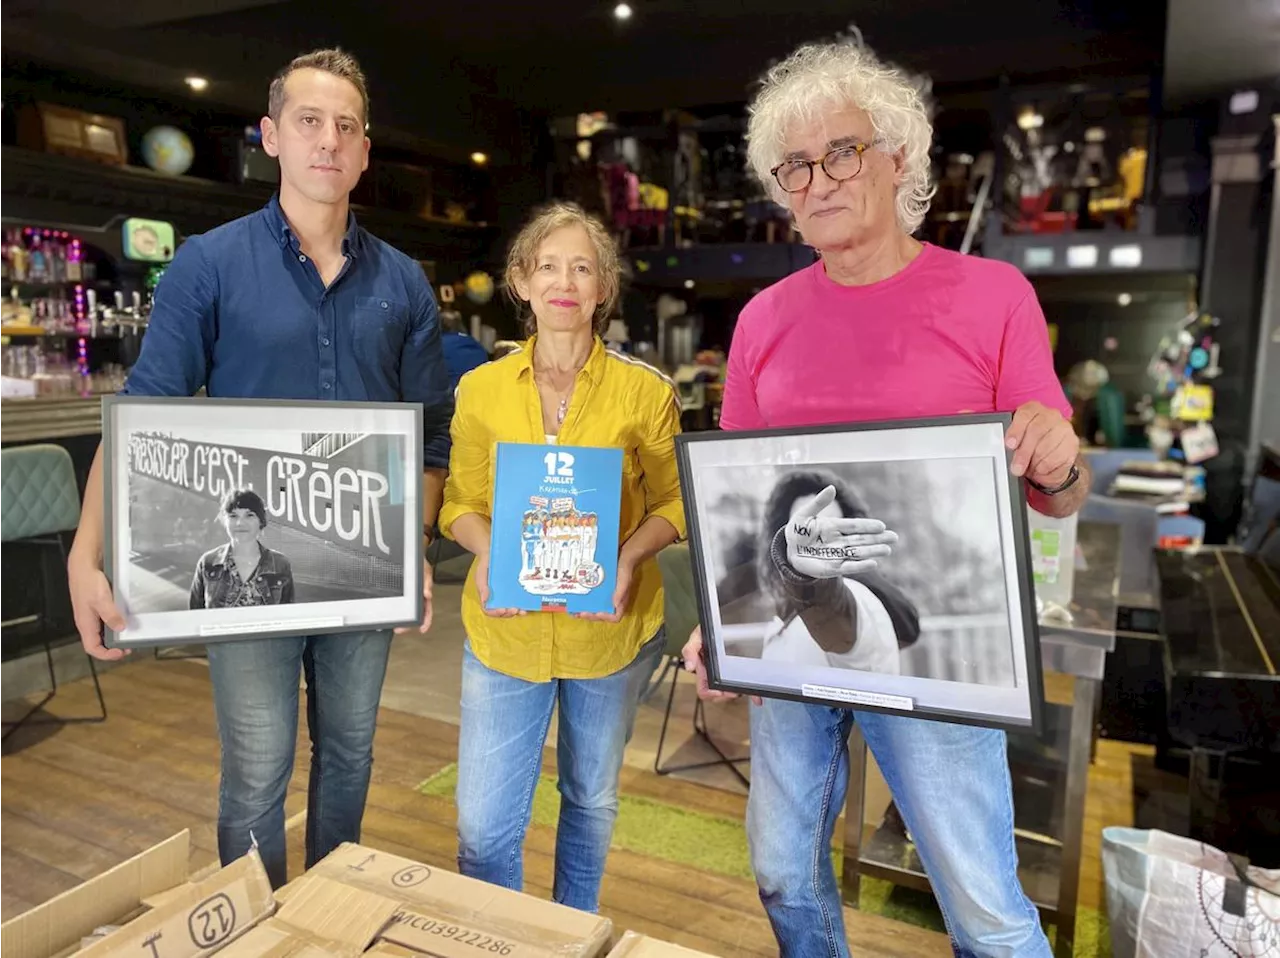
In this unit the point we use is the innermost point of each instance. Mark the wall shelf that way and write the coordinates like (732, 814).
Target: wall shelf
(1095, 253)
(84, 196)
(763, 263)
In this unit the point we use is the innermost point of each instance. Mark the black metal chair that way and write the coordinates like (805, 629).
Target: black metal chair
(681, 609)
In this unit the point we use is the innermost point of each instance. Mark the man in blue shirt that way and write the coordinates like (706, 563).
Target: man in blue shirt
(462, 353)
(294, 301)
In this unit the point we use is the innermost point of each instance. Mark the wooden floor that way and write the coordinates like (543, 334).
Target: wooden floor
(77, 799)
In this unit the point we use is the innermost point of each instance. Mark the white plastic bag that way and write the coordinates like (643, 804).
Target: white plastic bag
(1172, 897)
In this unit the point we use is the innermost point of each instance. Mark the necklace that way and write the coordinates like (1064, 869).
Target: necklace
(561, 397)
(562, 406)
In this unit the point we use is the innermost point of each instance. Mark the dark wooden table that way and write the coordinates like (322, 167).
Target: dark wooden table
(1220, 615)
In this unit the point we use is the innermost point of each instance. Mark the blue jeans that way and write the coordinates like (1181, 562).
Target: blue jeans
(255, 696)
(504, 726)
(952, 787)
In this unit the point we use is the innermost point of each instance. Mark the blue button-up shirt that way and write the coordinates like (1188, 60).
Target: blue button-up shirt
(242, 312)
(461, 354)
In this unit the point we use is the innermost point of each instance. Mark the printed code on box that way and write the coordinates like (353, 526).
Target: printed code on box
(459, 933)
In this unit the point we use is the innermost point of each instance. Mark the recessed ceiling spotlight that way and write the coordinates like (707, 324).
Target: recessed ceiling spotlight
(688, 284)
(1124, 299)
(198, 84)
(479, 159)
(1029, 119)
(622, 11)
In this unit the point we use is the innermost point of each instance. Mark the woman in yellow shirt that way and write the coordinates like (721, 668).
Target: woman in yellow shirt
(562, 386)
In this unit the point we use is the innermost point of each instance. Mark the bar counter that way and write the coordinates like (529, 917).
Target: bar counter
(49, 418)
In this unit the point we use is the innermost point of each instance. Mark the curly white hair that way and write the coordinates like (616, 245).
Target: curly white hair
(823, 76)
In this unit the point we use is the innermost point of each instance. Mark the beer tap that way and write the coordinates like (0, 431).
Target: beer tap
(91, 310)
(134, 314)
(116, 316)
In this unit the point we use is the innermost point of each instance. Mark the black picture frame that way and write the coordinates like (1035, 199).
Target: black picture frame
(180, 451)
(696, 453)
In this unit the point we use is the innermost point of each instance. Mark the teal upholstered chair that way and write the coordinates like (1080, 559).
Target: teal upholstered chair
(41, 501)
(681, 618)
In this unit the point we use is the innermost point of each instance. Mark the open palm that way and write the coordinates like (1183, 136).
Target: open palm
(824, 547)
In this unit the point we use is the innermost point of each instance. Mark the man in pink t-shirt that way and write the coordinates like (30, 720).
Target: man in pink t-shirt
(883, 327)
(946, 334)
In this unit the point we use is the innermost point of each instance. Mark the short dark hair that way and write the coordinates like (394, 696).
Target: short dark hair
(245, 499)
(335, 61)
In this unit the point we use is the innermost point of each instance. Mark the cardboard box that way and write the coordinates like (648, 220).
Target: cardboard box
(635, 945)
(191, 919)
(321, 919)
(446, 915)
(384, 949)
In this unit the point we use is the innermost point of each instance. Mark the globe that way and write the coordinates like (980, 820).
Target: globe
(479, 287)
(167, 149)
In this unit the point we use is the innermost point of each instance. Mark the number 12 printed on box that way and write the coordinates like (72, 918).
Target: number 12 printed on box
(556, 512)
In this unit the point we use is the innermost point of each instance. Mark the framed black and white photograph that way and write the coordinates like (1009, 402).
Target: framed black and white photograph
(228, 519)
(883, 566)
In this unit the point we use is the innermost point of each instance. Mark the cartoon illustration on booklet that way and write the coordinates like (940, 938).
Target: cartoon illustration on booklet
(555, 528)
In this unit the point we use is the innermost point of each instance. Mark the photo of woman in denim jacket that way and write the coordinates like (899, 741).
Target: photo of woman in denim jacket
(243, 572)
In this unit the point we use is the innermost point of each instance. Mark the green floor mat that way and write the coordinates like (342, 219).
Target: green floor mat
(717, 844)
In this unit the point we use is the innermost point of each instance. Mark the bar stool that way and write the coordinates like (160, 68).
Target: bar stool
(40, 501)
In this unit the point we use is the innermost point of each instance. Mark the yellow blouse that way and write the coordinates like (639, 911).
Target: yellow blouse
(617, 402)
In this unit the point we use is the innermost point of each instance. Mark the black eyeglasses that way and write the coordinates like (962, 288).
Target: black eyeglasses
(842, 163)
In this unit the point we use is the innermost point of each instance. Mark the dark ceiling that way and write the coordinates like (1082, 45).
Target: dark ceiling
(1239, 45)
(450, 72)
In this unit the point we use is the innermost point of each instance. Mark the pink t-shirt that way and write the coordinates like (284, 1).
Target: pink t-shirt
(949, 334)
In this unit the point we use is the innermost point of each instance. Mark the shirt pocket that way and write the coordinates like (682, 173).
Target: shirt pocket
(379, 329)
(274, 583)
(217, 587)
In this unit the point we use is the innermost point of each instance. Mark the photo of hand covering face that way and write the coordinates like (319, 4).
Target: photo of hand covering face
(889, 567)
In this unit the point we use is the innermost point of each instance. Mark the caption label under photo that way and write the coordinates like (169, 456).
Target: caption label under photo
(277, 625)
(854, 697)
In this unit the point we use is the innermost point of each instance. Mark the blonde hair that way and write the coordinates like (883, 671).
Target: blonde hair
(838, 74)
(524, 254)
(337, 62)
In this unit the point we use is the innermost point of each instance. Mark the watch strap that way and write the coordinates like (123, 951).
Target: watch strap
(1063, 486)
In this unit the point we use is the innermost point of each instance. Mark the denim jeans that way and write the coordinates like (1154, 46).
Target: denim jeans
(504, 727)
(952, 787)
(255, 696)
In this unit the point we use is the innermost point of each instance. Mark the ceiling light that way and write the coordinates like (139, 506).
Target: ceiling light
(479, 159)
(1124, 299)
(688, 284)
(622, 11)
(198, 84)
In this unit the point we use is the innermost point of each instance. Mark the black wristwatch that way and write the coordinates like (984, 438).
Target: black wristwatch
(1063, 486)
